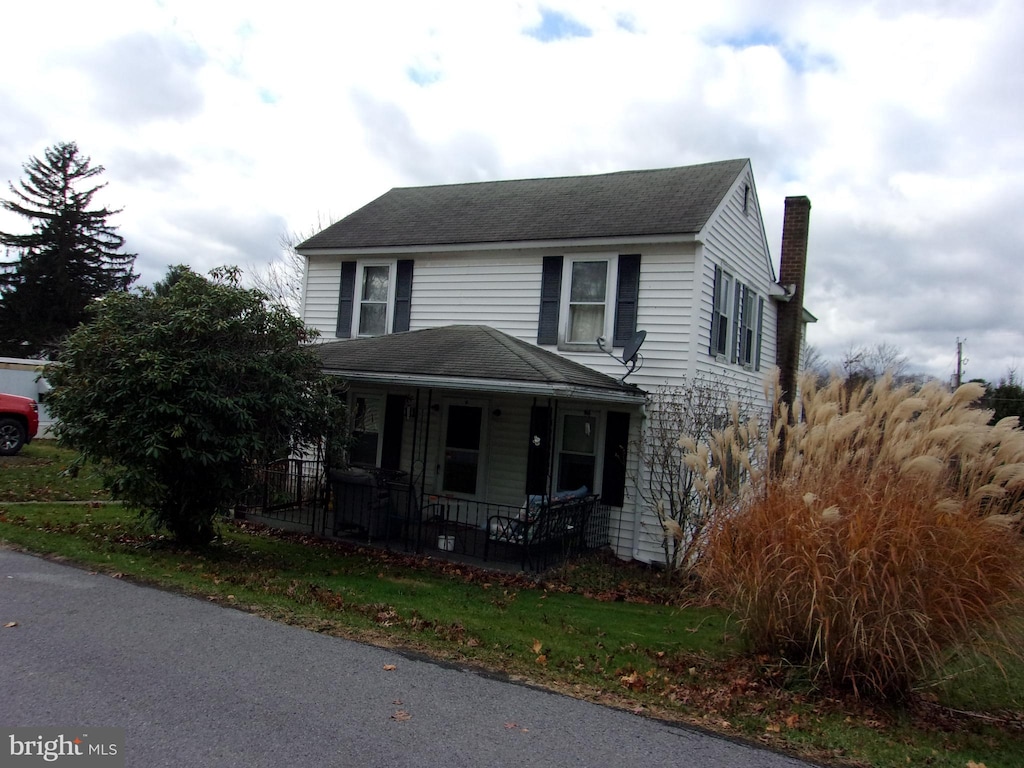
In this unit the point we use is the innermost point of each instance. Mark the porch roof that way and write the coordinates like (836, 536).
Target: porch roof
(472, 358)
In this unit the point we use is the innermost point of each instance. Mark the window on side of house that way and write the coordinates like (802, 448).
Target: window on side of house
(577, 451)
(736, 321)
(723, 313)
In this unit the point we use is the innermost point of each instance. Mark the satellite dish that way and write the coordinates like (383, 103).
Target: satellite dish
(632, 347)
(630, 352)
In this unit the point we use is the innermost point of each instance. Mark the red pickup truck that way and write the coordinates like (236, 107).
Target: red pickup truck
(19, 422)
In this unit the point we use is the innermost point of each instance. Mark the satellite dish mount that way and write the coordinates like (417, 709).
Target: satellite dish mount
(631, 357)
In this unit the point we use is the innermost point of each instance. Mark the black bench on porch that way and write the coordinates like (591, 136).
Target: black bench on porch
(544, 529)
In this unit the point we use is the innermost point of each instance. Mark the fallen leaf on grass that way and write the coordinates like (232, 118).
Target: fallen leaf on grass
(773, 728)
(390, 667)
(401, 716)
(634, 681)
(537, 646)
(972, 764)
(792, 721)
(542, 660)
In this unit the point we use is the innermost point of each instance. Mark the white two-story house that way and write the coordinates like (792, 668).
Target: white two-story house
(480, 328)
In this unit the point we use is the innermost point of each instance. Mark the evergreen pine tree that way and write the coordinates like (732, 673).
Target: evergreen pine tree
(71, 257)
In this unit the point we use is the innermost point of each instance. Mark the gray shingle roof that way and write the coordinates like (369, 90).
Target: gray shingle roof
(464, 356)
(666, 201)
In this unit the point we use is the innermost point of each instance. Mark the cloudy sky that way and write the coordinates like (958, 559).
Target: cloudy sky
(223, 125)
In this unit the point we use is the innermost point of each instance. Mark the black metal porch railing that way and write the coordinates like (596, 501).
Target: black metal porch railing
(290, 491)
(385, 509)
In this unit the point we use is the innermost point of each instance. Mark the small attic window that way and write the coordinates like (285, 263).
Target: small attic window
(746, 198)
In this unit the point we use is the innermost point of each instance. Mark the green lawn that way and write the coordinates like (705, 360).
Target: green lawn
(36, 473)
(633, 648)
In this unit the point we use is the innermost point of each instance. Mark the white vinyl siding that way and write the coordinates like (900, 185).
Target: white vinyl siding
(735, 242)
(323, 285)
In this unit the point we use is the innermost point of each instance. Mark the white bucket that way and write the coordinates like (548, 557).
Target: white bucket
(446, 543)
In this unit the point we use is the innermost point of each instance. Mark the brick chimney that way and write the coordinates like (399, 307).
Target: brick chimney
(792, 268)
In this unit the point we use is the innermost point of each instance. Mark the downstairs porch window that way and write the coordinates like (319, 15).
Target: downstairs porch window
(577, 455)
(364, 448)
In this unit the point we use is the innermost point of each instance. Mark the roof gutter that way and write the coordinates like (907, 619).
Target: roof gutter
(565, 391)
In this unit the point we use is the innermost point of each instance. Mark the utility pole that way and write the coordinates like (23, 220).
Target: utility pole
(959, 364)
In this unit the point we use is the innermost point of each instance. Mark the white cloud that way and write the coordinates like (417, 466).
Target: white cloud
(222, 125)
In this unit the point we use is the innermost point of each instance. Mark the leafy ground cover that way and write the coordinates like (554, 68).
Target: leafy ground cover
(37, 473)
(600, 629)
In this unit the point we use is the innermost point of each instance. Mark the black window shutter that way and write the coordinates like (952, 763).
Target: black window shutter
(403, 296)
(716, 320)
(760, 326)
(613, 476)
(550, 294)
(626, 299)
(743, 316)
(345, 298)
(733, 357)
(538, 454)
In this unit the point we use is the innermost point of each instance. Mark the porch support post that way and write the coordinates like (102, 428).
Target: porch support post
(409, 506)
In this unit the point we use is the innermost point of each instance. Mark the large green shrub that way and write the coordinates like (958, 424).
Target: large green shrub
(176, 392)
(883, 536)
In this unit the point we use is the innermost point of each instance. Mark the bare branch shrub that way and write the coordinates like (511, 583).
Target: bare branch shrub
(664, 483)
(889, 536)
(282, 278)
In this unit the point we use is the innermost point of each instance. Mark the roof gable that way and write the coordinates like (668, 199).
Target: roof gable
(667, 201)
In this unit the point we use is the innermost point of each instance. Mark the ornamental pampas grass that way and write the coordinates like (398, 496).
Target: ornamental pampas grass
(874, 535)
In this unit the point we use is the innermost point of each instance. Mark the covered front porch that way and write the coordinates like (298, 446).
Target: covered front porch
(465, 441)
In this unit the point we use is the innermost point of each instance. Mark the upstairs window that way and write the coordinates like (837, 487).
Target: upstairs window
(747, 325)
(373, 297)
(583, 298)
(736, 322)
(588, 294)
(373, 303)
(721, 321)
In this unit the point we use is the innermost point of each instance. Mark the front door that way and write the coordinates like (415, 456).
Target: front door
(463, 454)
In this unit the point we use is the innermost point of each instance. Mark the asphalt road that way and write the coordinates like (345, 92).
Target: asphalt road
(195, 684)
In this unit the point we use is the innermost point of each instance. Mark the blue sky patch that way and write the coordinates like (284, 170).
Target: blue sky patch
(626, 22)
(422, 75)
(557, 26)
(798, 56)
